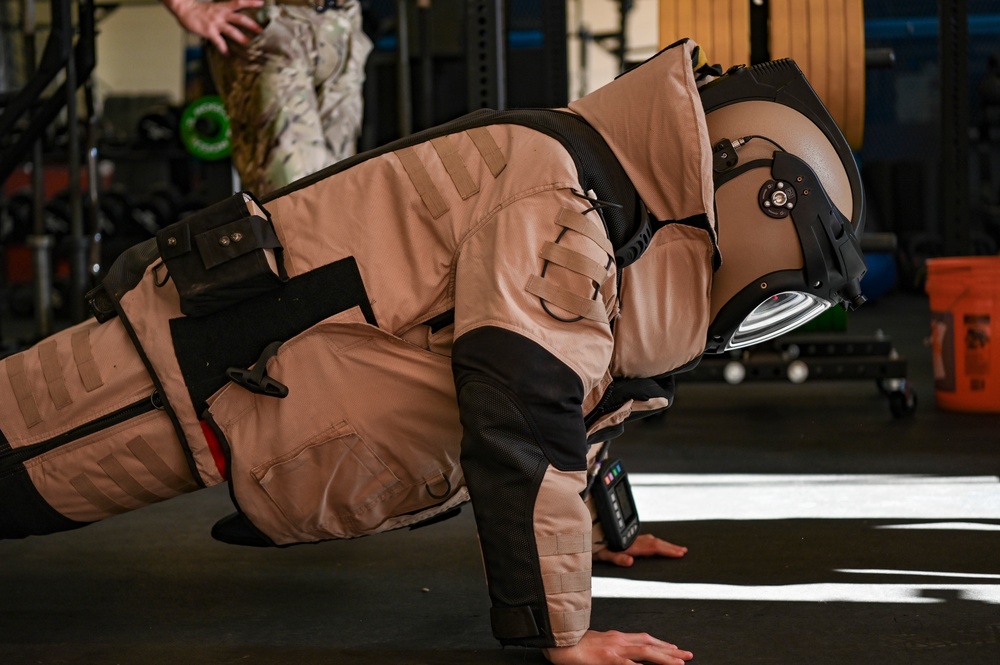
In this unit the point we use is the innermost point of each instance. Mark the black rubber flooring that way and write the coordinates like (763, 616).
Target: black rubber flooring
(781, 569)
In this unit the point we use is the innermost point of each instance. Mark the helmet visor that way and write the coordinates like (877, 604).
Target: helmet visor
(777, 315)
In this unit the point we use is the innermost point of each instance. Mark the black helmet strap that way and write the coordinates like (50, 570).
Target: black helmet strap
(834, 262)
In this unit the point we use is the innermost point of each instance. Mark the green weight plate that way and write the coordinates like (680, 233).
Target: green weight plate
(205, 129)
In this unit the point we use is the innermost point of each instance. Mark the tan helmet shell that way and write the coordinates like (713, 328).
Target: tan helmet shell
(752, 244)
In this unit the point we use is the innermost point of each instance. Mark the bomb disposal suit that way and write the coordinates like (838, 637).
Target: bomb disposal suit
(462, 314)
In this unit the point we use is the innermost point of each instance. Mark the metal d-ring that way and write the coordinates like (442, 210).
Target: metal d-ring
(447, 490)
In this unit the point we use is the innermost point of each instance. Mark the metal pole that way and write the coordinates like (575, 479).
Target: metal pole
(39, 241)
(954, 41)
(41, 250)
(93, 174)
(78, 240)
(93, 189)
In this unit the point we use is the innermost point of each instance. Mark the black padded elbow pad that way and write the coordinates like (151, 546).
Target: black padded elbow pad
(547, 393)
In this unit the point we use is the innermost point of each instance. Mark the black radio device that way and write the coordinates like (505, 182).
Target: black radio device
(615, 505)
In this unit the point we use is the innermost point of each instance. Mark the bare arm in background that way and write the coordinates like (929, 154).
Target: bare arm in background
(216, 21)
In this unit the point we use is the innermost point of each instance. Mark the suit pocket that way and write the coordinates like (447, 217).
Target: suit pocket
(329, 506)
(367, 439)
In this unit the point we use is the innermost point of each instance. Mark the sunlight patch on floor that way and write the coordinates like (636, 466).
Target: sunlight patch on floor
(699, 497)
(830, 592)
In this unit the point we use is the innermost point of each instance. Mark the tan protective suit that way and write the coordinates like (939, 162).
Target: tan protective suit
(453, 325)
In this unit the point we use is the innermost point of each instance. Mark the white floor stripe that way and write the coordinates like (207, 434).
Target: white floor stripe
(687, 497)
(801, 479)
(604, 587)
(944, 526)
(921, 573)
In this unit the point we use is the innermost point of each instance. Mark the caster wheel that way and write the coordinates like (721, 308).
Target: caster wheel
(902, 402)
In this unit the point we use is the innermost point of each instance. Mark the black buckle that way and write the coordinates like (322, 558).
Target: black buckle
(256, 380)
(322, 5)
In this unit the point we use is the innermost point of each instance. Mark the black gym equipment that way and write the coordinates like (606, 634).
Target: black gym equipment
(69, 52)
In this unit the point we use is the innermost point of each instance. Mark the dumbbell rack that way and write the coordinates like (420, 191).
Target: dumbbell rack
(69, 52)
(801, 357)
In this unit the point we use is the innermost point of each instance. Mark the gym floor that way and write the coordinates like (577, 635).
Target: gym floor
(821, 530)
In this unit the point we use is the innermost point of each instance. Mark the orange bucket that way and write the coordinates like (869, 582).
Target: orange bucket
(965, 318)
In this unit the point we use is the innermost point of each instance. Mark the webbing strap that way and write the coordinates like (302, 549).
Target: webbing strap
(489, 149)
(48, 355)
(156, 466)
(566, 582)
(571, 219)
(22, 391)
(563, 543)
(610, 301)
(422, 182)
(575, 261)
(90, 373)
(92, 493)
(567, 300)
(130, 485)
(566, 622)
(453, 163)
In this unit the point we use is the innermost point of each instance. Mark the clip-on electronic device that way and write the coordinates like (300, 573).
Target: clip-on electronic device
(615, 505)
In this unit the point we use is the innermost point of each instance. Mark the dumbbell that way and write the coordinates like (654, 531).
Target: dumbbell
(58, 215)
(158, 129)
(115, 211)
(19, 212)
(157, 210)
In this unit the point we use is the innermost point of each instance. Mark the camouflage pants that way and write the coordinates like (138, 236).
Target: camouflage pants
(294, 94)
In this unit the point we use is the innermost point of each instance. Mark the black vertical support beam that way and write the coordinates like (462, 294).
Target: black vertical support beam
(93, 208)
(485, 40)
(40, 242)
(426, 63)
(954, 40)
(760, 49)
(555, 54)
(404, 88)
(78, 283)
(624, 7)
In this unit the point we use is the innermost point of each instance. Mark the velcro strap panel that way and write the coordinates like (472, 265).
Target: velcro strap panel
(569, 622)
(571, 219)
(52, 371)
(157, 467)
(453, 163)
(567, 300)
(513, 623)
(117, 472)
(22, 391)
(422, 182)
(89, 491)
(90, 373)
(488, 148)
(563, 543)
(575, 261)
(610, 303)
(566, 582)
